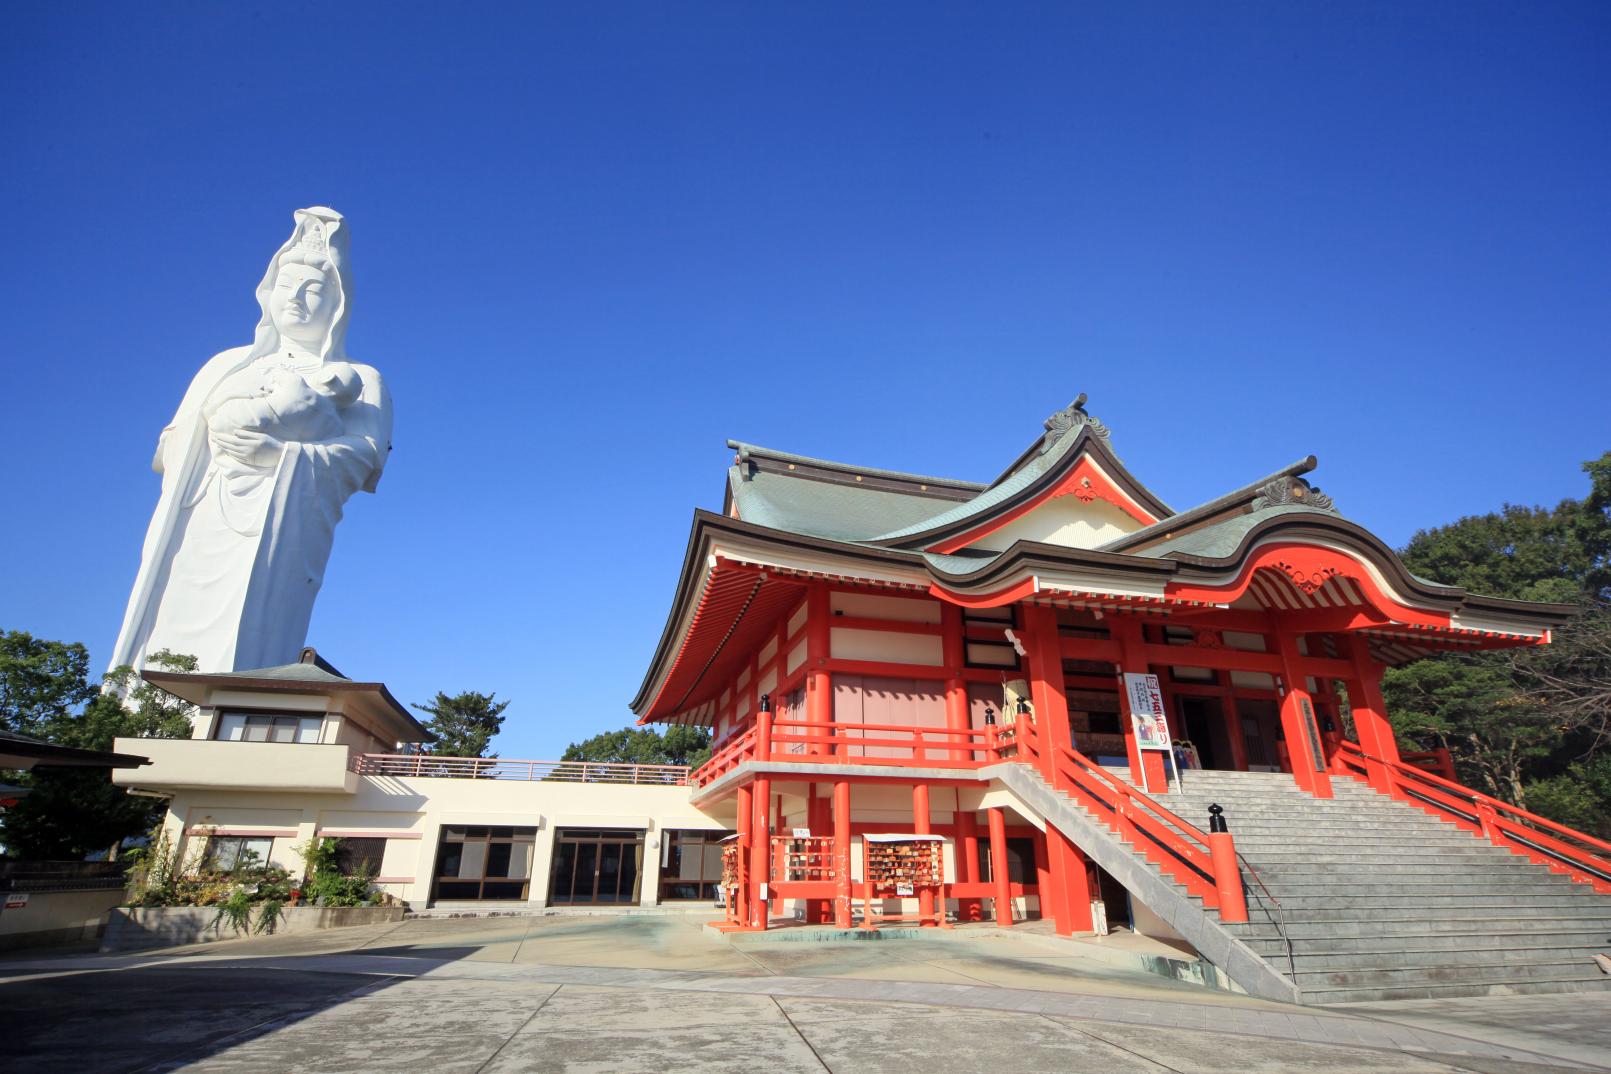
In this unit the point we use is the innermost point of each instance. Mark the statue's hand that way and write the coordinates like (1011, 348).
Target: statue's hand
(250, 446)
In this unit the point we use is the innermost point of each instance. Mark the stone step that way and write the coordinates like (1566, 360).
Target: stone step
(1386, 866)
(1531, 986)
(1335, 907)
(1354, 858)
(1494, 971)
(1566, 958)
(1420, 925)
(1415, 886)
(1575, 940)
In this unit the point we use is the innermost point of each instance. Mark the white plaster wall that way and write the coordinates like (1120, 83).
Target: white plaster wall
(421, 806)
(886, 646)
(1066, 521)
(872, 606)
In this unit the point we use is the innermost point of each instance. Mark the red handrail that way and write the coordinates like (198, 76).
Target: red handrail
(724, 760)
(1564, 850)
(1175, 846)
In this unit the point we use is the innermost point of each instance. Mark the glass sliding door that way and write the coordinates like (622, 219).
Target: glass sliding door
(483, 862)
(596, 867)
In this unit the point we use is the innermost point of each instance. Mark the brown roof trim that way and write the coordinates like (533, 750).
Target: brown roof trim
(234, 680)
(841, 473)
(1328, 525)
(51, 755)
(706, 525)
(1032, 556)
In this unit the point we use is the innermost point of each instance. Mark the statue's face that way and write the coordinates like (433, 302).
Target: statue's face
(302, 303)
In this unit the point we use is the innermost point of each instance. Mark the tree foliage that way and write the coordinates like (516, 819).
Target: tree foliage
(71, 812)
(1526, 725)
(464, 724)
(644, 745)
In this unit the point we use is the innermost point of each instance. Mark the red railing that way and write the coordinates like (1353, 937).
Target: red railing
(724, 760)
(855, 743)
(430, 766)
(881, 744)
(1562, 849)
(1179, 849)
(1439, 762)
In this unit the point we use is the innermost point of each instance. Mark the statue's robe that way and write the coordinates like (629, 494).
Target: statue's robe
(239, 600)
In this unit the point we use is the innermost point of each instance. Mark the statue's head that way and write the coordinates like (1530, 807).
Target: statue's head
(305, 293)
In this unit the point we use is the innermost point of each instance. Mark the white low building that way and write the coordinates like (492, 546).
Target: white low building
(280, 756)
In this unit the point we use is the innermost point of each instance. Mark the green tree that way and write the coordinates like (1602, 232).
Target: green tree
(1526, 725)
(70, 812)
(644, 745)
(464, 724)
(41, 682)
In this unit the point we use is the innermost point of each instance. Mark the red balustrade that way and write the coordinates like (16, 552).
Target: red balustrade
(1179, 849)
(1562, 849)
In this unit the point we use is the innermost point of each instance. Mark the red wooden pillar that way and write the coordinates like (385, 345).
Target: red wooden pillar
(819, 683)
(1127, 632)
(741, 902)
(1300, 727)
(1375, 732)
(841, 853)
(820, 818)
(1044, 667)
(953, 649)
(921, 826)
(969, 909)
(998, 867)
(1070, 907)
(760, 852)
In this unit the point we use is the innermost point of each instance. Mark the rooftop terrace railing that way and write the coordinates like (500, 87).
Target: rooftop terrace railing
(431, 766)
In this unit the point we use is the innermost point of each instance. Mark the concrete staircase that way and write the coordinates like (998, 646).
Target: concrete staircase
(1381, 900)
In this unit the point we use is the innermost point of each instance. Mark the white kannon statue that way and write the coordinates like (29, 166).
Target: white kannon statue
(268, 444)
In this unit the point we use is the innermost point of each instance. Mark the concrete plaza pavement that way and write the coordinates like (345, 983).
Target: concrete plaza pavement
(656, 994)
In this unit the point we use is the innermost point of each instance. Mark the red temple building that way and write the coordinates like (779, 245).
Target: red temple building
(944, 701)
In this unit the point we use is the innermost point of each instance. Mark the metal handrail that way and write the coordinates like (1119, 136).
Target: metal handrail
(433, 766)
(1280, 915)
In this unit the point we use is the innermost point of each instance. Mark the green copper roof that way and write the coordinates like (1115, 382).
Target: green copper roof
(825, 509)
(1221, 538)
(288, 672)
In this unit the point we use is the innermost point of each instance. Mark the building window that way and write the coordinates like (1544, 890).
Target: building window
(1020, 861)
(984, 637)
(690, 865)
(226, 853)
(355, 857)
(266, 727)
(484, 862)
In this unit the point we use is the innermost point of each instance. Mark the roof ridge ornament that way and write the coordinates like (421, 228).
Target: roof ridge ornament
(1292, 491)
(1071, 419)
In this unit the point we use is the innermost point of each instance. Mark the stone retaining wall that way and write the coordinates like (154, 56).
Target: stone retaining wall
(136, 928)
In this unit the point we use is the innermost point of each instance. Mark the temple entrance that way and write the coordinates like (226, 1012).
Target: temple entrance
(1261, 732)
(1202, 722)
(596, 867)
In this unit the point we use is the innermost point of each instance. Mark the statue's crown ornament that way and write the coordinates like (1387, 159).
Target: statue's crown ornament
(312, 239)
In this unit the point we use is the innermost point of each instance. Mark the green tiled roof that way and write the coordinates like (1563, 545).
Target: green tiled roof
(823, 508)
(981, 504)
(288, 672)
(1221, 538)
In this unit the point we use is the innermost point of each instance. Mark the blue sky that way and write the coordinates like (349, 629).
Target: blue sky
(593, 241)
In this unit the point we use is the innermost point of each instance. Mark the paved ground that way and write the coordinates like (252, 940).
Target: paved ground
(653, 994)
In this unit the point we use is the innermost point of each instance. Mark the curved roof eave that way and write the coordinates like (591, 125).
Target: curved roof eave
(971, 515)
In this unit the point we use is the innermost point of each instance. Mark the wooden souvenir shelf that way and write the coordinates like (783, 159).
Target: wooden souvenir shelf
(903, 868)
(802, 858)
(730, 880)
